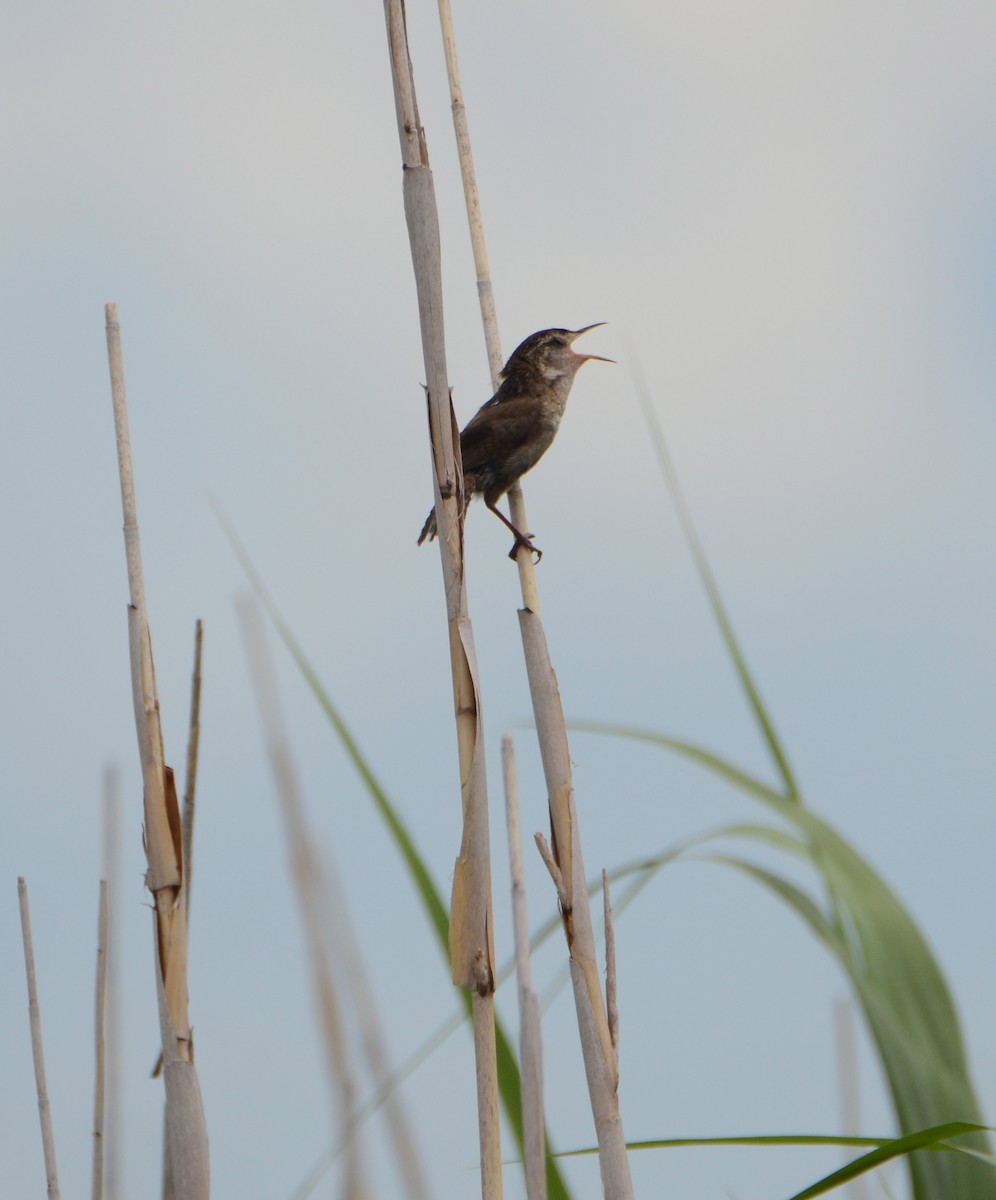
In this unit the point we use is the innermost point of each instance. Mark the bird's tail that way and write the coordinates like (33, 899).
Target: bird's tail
(429, 528)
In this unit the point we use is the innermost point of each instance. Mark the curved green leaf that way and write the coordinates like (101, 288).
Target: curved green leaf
(922, 1139)
(900, 987)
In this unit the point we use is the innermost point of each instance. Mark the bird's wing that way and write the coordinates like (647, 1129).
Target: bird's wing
(495, 434)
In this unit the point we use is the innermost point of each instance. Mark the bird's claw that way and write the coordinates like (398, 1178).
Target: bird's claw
(525, 544)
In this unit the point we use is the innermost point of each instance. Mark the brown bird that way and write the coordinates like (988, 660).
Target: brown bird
(511, 432)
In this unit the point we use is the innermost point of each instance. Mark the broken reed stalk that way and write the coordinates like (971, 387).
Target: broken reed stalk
(305, 872)
(530, 1035)
(37, 1054)
(99, 1012)
(189, 1168)
(471, 937)
(601, 1066)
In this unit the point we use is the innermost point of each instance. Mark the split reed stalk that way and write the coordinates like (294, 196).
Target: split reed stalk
(188, 1160)
(471, 927)
(601, 1066)
(37, 1053)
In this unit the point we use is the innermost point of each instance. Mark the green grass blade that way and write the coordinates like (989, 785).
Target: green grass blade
(936, 1139)
(749, 1139)
(764, 721)
(804, 905)
(922, 1139)
(727, 770)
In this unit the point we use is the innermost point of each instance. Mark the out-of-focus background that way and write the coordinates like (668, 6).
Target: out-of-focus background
(786, 214)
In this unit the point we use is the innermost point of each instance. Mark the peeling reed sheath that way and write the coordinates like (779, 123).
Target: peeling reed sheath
(472, 957)
(193, 750)
(596, 1038)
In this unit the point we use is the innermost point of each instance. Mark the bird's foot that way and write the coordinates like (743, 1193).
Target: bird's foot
(525, 543)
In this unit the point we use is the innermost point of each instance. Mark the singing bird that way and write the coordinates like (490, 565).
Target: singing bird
(511, 432)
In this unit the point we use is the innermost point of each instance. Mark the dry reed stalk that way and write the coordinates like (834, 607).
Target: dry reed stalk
(485, 288)
(471, 936)
(530, 1034)
(189, 1167)
(99, 1013)
(597, 1047)
(37, 1053)
(306, 873)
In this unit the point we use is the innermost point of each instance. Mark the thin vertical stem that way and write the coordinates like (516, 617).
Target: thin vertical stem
(99, 1012)
(34, 1018)
(113, 1140)
(530, 1040)
(485, 289)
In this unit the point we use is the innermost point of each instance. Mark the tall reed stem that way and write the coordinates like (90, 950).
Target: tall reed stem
(471, 925)
(601, 1066)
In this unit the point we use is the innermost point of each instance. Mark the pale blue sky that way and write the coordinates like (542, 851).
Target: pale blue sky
(787, 211)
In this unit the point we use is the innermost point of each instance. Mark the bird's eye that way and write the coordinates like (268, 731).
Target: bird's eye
(558, 341)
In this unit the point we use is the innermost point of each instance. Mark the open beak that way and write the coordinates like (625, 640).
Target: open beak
(590, 357)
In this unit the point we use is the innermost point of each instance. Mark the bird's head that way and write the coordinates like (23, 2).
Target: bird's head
(549, 353)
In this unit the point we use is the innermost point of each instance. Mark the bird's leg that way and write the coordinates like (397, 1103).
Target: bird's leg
(521, 539)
